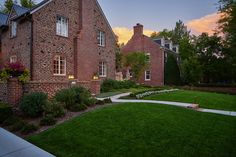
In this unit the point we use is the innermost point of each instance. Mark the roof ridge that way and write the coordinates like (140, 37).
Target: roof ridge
(20, 6)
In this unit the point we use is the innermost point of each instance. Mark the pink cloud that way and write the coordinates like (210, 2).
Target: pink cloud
(207, 24)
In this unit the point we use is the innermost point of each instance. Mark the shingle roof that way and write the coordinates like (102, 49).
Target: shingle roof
(3, 19)
(20, 10)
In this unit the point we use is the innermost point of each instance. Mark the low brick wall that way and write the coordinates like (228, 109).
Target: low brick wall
(12, 91)
(47, 87)
(3, 92)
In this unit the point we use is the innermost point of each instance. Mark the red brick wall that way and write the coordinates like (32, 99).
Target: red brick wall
(18, 46)
(142, 43)
(14, 91)
(89, 53)
(3, 92)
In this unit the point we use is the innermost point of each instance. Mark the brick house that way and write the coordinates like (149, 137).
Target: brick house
(154, 76)
(58, 40)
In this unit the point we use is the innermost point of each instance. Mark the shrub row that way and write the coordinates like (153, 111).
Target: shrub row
(110, 85)
(5, 112)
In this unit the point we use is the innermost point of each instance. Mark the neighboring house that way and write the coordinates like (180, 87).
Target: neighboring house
(169, 47)
(58, 40)
(154, 75)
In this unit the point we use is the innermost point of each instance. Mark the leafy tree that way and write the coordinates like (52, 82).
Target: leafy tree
(191, 70)
(186, 48)
(180, 32)
(227, 25)
(27, 3)
(8, 5)
(137, 62)
(209, 52)
(172, 73)
(165, 33)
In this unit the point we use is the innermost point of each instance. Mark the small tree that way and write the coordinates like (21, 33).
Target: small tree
(137, 62)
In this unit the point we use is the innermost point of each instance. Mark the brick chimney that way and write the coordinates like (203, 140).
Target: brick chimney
(138, 29)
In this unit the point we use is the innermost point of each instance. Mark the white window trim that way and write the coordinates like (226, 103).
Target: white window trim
(146, 75)
(59, 67)
(104, 69)
(148, 55)
(62, 28)
(102, 38)
(13, 29)
(13, 59)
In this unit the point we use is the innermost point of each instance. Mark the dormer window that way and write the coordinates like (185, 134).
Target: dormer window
(101, 38)
(62, 26)
(13, 29)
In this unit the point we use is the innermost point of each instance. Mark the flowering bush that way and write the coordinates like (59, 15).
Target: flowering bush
(148, 93)
(14, 70)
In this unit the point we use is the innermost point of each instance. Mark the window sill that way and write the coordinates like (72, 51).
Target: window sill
(147, 80)
(59, 75)
(66, 37)
(102, 76)
(102, 46)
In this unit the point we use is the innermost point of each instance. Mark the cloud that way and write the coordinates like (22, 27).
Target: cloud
(125, 34)
(207, 24)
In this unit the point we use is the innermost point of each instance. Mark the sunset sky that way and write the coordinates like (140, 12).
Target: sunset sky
(199, 15)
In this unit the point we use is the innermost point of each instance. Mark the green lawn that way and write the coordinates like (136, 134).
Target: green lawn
(204, 99)
(142, 130)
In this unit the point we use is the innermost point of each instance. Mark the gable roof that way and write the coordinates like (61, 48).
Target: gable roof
(3, 19)
(19, 9)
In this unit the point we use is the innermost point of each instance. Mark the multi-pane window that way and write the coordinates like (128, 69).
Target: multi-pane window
(13, 59)
(62, 26)
(148, 57)
(147, 75)
(102, 69)
(101, 38)
(59, 65)
(13, 29)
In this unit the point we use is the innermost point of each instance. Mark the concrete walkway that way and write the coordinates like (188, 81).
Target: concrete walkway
(13, 146)
(116, 99)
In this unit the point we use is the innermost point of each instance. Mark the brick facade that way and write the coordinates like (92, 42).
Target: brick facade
(141, 43)
(37, 43)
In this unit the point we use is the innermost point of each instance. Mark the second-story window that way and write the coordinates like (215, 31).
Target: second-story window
(148, 57)
(13, 29)
(62, 26)
(101, 37)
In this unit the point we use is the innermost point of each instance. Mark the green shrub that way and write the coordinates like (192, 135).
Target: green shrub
(78, 107)
(11, 120)
(91, 102)
(54, 108)
(5, 112)
(32, 104)
(29, 128)
(18, 126)
(107, 101)
(48, 120)
(67, 97)
(73, 97)
(110, 85)
(82, 95)
(100, 102)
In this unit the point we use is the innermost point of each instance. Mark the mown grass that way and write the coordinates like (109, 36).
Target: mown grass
(142, 130)
(204, 99)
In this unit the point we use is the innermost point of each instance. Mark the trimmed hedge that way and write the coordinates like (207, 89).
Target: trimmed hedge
(109, 85)
(5, 112)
